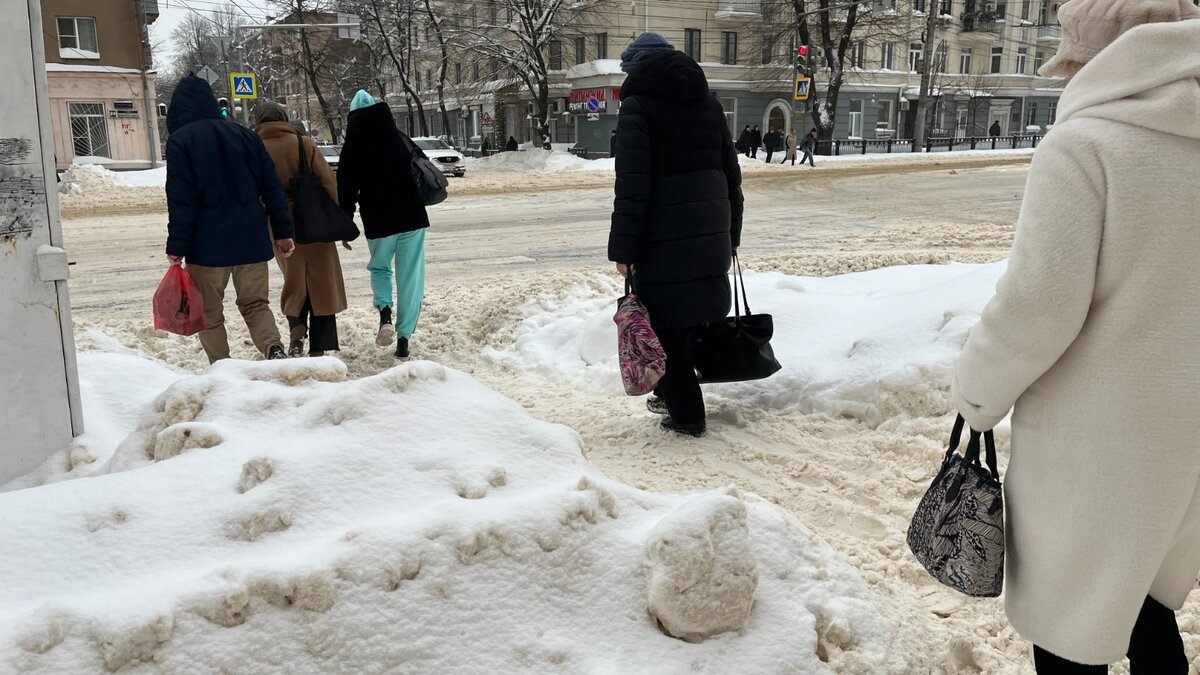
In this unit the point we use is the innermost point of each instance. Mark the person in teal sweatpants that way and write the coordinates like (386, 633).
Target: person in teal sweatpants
(375, 176)
(407, 249)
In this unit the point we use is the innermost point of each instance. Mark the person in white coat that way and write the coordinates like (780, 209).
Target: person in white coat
(1094, 336)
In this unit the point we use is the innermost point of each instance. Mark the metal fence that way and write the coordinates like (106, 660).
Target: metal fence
(882, 146)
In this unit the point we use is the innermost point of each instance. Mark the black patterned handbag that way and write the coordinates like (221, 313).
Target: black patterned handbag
(957, 532)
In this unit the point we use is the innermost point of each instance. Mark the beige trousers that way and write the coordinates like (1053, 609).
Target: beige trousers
(250, 285)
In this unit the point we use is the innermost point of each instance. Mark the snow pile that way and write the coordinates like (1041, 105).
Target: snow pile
(871, 345)
(538, 160)
(81, 179)
(273, 516)
(900, 156)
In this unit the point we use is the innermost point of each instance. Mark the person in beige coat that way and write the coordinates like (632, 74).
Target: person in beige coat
(314, 291)
(789, 145)
(1094, 336)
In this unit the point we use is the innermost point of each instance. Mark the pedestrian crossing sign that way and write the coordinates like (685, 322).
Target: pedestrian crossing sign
(243, 85)
(802, 88)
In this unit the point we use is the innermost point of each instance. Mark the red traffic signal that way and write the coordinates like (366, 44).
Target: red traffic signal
(802, 50)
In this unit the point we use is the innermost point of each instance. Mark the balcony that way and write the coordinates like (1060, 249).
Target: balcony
(981, 21)
(738, 10)
(1050, 34)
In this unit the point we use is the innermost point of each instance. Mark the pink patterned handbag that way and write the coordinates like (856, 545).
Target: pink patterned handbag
(643, 362)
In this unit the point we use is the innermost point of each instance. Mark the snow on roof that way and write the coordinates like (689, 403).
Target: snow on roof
(594, 68)
(73, 68)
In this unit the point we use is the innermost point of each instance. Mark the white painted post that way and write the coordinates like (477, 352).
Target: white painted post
(39, 394)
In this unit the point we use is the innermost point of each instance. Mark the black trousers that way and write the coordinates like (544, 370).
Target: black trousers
(769, 153)
(679, 388)
(322, 330)
(1155, 648)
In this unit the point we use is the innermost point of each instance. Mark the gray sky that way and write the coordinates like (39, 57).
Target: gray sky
(173, 12)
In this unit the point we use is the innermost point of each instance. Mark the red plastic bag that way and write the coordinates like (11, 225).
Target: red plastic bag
(178, 307)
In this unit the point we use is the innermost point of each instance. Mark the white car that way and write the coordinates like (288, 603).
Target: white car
(440, 153)
(331, 154)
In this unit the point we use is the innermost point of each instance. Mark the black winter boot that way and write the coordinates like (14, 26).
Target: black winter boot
(402, 348)
(387, 332)
(694, 429)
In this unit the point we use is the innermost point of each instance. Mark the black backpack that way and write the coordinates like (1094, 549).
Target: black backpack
(430, 181)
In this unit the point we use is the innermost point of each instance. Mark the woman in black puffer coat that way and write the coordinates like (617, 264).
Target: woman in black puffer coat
(677, 217)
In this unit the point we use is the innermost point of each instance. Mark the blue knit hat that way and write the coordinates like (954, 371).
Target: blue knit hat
(642, 48)
(361, 100)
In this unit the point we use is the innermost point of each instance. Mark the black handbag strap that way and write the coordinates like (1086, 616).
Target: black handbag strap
(972, 454)
(303, 159)
(744, 301)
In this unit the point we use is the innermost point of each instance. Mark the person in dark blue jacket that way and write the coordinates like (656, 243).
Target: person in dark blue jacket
(219, 179)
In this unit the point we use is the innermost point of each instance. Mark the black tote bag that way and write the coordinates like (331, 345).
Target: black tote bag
(318, 219)
(737, 349)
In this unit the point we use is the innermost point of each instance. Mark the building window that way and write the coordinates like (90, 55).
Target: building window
(964, 61)
(580, 50)
(494, 66)
(943, 55)
(768, 50)
(918, 5)
(556, 60)
(1031, 116)
(729, 48)
(458, 73)
(856, 118)
(77, 38)
(1022, 54)
(691, 43)
(89, 129)
(730, 107)
(493, 12)
(1026, 7)
(429, 78)
(1038, 59)
(602, 45)
(884, 114)
(888, 51)
(473, 17)
(915, 50)
(475, 71)
(997, 59)
(1001, 10)
(858, 57)
(947, 8)
(1052, 110)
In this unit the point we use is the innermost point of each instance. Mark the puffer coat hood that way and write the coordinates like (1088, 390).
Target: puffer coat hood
(193, 100)
(1149, 77)
(672, 76)
(375, 174)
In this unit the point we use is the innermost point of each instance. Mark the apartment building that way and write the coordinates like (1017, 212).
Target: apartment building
(101, 88)
(986, 57)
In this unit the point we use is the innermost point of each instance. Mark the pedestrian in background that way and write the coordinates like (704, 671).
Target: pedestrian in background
(771, 142)
(612, 144)
(314, 291)
(221, 184)
(809, 147)
(677, 217)
(375, 174)
(485, 148)
(743, 141)
(1092, 336)
(756, 141)
(512, 145)
(790, 147)
(995, 130)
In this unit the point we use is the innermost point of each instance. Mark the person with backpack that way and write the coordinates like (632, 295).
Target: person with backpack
(677, 217)
(375, 173)
(221, 187)
(314, 291)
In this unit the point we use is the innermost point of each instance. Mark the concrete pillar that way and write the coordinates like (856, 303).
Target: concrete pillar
(39, 397)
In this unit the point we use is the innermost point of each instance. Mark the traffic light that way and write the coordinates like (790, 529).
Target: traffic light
(224, 104)
(802, 51)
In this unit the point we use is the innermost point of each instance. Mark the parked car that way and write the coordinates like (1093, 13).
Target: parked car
(331, 154)
(441, 153)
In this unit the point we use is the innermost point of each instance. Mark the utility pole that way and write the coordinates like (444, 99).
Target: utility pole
(921, 128)
(646, 14)
(139, 12)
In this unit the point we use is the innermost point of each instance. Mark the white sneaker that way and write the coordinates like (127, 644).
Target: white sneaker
(387, 333)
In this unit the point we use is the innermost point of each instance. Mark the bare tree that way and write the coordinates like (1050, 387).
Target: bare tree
(316, 53)
(392, 30)
(518, 38)
(437, 23)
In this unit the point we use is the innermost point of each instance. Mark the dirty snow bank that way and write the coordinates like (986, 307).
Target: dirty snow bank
(537, 160)
(871, 345)
(272, 515)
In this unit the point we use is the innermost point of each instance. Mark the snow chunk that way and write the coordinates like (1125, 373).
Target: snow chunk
(700, 569)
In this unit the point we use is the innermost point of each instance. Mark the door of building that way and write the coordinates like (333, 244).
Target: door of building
(39, 402)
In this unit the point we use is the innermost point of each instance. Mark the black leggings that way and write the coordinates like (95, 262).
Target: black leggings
(679, 388)
(1155, 648)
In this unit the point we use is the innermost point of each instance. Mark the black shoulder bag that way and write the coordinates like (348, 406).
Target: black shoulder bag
(737, 349)
(429, 180)
(957, 532)
(318, 219)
